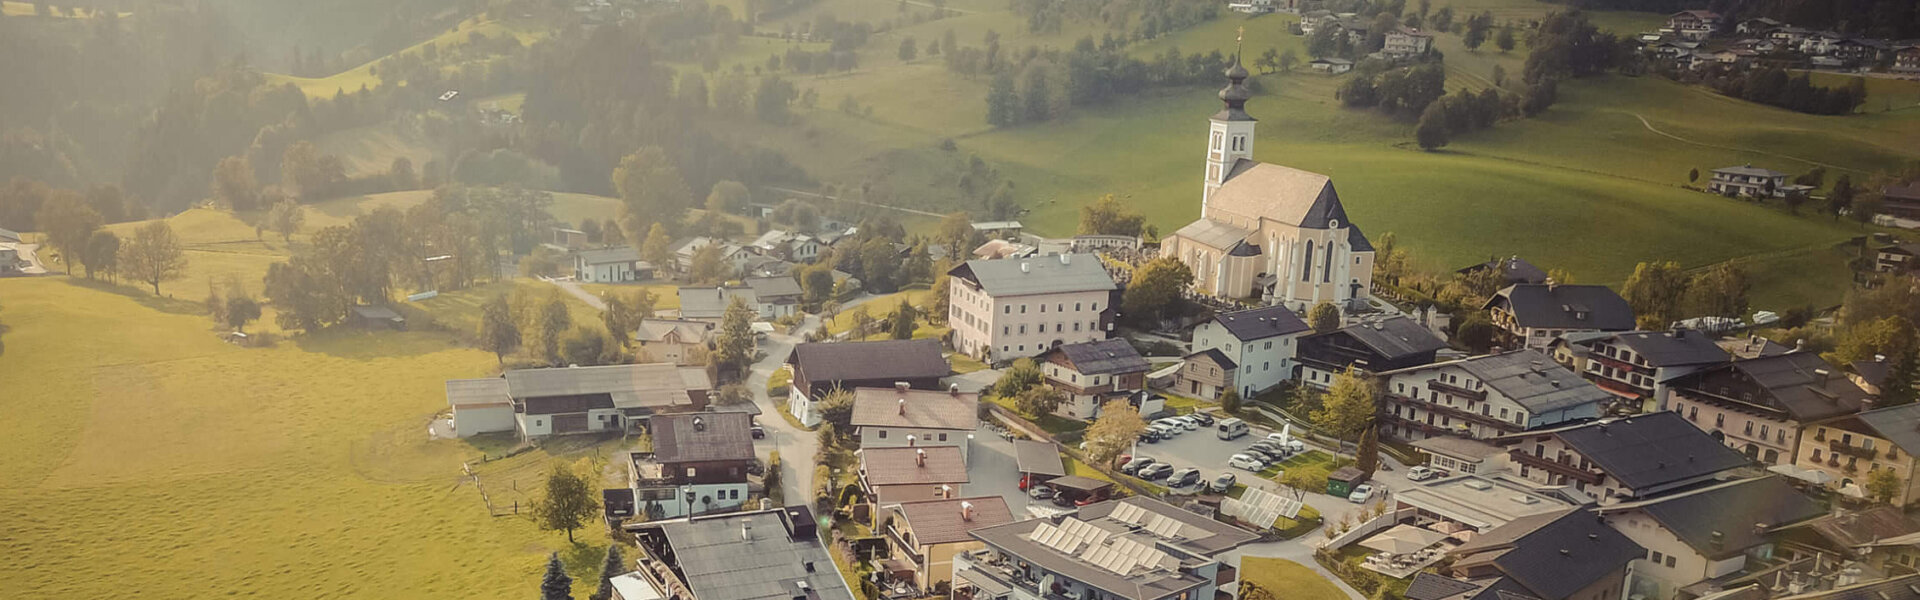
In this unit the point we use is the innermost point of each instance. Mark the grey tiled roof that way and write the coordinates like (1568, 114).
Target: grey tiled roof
(701, 437)
(1674, 348)
(718, 562)
(1651, 449)
(1528, 378)
(1566, 306)
(1719, 520)
(1260, 323)
(1395, 337)
(610, 255)
(1037, 275)
(889, 407)
(1102, 357)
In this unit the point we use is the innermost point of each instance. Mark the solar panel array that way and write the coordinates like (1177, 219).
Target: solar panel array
(1125, 557)
(1129, 513)
(1261, 507)
(1164, 526)
(1070, 536)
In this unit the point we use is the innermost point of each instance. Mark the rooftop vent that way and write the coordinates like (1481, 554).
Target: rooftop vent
(699, 424)
(920, 457)
(1478, 485)
(1525, 499)
(1025, 268)
(1066, 259)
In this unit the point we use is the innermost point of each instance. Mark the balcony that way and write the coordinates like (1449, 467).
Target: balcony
(1838, 447)
(1435, 384)
(1226, 575)
(1619, 388)
(1554, 466)
(1458, 413)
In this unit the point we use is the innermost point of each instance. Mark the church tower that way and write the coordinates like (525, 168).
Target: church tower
(1231, 132)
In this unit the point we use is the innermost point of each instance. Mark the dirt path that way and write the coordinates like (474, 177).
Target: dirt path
(574, 288)
(1650, 127)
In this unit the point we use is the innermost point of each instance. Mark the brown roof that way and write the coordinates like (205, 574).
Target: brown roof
(941, 521)
(892, 407)
(899, 466)
(1457, 447)
(1280, 193)
(700, 437)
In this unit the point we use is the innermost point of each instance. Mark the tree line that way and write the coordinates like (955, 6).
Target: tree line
(1040, 85)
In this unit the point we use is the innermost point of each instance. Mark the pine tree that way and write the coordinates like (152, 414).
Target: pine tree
(616, 565)
(1003, 105)
(556, 585)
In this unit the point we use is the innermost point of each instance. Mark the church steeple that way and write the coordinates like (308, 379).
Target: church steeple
(1231, 137)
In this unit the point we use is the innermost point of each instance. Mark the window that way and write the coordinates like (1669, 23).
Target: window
(1503, 414)
(1043, 307)
(1006, 330)
(1076, 326)
(690, 471)
(1693, 413)
(1008, 309)
(1669, 561)
(1720, 420)
(883, 434)
(1023, 309)
(1656, 557)
(1265, 365)
(1269, 345)
(1076, 307)
(1060, 307)
(943, 437)
(1763, 432)
(1748, 430)
(1023, 329)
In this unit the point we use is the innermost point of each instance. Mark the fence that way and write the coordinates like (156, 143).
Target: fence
(1029, 429)
(1363, 529)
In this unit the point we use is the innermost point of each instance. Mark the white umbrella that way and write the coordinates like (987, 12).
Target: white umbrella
(1816, 476)
(1392, 545)
(1853, 490)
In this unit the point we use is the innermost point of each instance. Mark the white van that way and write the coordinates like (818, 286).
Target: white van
(1232, 428)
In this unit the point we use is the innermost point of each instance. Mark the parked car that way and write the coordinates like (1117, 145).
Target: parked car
(1222, 483)
(1187, 423)
(758, 432)
(1040, 492)
(1183, 478)
(1133, 466)
(1062, 501)
(1204, 419)
(1165, 429)
(1156, 471)
(1247, 462)
(1361, 493)
(1421, 473)
(1269, 447)
(1149, 436)
(1231, 428)
(1262, 455)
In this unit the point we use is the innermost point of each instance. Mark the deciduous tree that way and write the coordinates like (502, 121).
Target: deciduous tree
(1039, 401)
(1115, 431)
(1323, 317)
(658, 247)
(102, 253)
(567, 502)
(234, 185)
(650, 188)
(901, 322)
(706, 267)
(1107, 216)
(1155, 291)
(555, 319)
(1719, 291)
(68, 223)
(241, 310)
(153, 255)
(499, 330)
(1883, 485)
(1654, 290)
(734, 344)
(285, 218)
(1349, 406)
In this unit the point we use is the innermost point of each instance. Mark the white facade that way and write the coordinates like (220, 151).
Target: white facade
(598, 419)
(1670, 563)
(1264, 362)
(485, 418)
(612, 272)
(902, 437)
(1012, 327)
(671, 502)
(1228, 141)
(801, 406)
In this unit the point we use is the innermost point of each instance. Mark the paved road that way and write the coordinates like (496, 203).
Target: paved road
(796, 446)
(573, 288)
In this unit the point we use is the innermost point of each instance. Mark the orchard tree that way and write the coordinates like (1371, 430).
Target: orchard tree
(240, 311)
(68, 223)
(499, 330)
(102, 254)
(153, 255)
(285, 218)
(1107, 216)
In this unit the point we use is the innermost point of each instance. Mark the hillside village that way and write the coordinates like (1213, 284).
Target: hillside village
(475, 387)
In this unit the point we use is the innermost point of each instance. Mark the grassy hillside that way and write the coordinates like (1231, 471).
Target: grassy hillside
(354, 78)
(137, 439)
(370, 150)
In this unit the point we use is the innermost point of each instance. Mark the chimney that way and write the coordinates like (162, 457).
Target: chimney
(953, 388)
(1066, 259)
(902, 386)
(903, 406)
(1760, 529)
(920, 457)
(1552, 285)
(1679, 333)
(909, 441)
(1799, 344)
(1719, 540)
(699, 424)
(1025, 268)
(746, 531)
(1564, 552)
(966, 510)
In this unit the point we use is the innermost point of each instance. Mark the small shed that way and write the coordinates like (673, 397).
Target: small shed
(1038, 461)
(376, 317)
(1341, 482)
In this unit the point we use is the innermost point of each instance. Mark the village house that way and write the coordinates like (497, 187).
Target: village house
(1533, 315)
(1855, 537)
(1894, 258)
(903, 417)
(1752, 346)
(772, 554)
(907, 474)
(1000, 230)
(1762, 406)
(1133, 548)
(1266, 231)
(1850, 449)
(1789, 37)
(787, 245)
(1261, 341)
(1252, 7)
(577, 399)
(1314, 19)
(1369, 346)
(1623, 459)
(1405, 42)
(1331, 65)
(1820, 43)
(1757, 26)
(1870, 374)
(611, 265)
(566, 238)
(925, 535)
(709, 304)
(1478, 502)
(1454, 455)
(1485, 396)
(676, 341)
(1206, 374)
(1705, 532)
(1858, 51)
(821, 368)
(1091, 373)
(375, 317)
(1747, 180)
(1906, 59)
(1014, 308)
(698, 465)
(1901, 200)
(732, 255)
(1636, 365)
(775, 297)
(1513, 270)
(1694, 25)
(1561, 555)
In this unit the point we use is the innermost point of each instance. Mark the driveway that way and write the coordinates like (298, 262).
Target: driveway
(796, 446)
(573, 288)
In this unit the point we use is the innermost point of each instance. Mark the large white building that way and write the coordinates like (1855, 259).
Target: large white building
(1018, 307)
(1266, 231)
(1260, 342)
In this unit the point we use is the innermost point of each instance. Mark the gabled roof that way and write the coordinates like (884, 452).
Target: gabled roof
(719, 562)
(1904, 587)
(901, 466)
(1038, 457)
(1215, 355)
(700, 437)
(1790, 383)
(654, 330)
(1555, 555)
(1678, 347)
(1861, 528)
(476, 393)
(1750, 170)
(1650, 450)
(1100, 357)
(1257, 190)
(8, 235)
(1526, 377)
(1513, 268)
(1213, 234)
(1393, 337)
(711, 302)
(1566, 306)
(1909, 249)
(657, 384)
(922, 409)
(948, 521)
(824, 362)
(1433, 586)
(1037, 275)
(773, 287)
(1261, 323)
(623, 254)
(1720, 520)
(1897, 424)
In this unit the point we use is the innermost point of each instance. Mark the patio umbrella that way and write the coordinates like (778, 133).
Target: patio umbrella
(1853, 490)
(1816, 476)
(1392, 545)
(1464, 535)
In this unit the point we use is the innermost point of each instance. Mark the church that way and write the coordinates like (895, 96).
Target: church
(1266, 232)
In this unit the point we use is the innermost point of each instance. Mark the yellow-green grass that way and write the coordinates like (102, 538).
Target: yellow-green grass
(507, 102)
(965, 364)
(363, 75)
(1883, 94)
(878, 308)
(1287, 578)
(137, 439)
(371, 149)
(666, 296)
(10, 8)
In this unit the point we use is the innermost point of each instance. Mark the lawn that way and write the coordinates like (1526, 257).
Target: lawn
(353, 79)
(879, 307)
(1287, 579)
(371, 149)
(135, 438)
